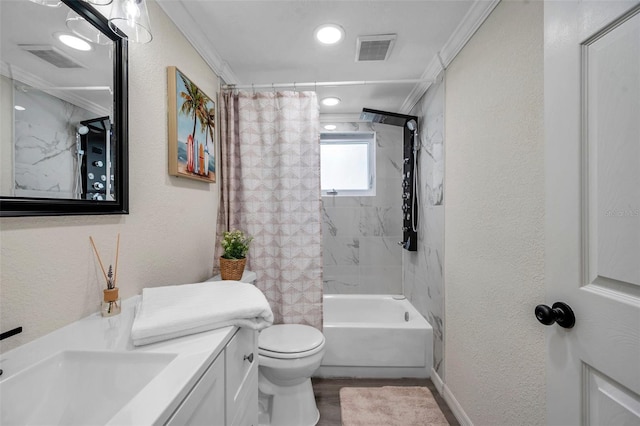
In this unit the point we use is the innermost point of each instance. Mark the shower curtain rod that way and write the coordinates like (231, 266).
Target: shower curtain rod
(317, 84)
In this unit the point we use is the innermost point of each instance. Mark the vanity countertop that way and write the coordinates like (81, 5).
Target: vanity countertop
(155, 403)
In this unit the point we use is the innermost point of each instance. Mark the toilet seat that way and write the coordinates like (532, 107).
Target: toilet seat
(287, 341)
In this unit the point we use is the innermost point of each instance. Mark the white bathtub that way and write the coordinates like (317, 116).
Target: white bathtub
(375, 336)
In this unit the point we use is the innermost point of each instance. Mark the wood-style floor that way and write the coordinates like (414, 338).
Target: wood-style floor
(327, 392)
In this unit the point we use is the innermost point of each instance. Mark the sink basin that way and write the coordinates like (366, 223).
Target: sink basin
(77, 387)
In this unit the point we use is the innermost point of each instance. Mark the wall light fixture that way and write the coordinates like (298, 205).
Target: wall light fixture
(131, 18)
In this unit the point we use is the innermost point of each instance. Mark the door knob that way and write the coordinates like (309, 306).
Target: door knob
(559, 312)
(248, 358)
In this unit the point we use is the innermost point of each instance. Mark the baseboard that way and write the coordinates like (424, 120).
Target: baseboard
(437, 381)
(454, 406)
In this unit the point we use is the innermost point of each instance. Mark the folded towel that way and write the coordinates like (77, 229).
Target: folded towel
(179, 310)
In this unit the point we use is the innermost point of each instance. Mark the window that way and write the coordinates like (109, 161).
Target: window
(348, 164)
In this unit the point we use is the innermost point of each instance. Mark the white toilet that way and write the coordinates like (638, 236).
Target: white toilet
(288, 355)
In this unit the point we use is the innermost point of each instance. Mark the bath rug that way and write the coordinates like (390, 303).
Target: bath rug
(390, 406)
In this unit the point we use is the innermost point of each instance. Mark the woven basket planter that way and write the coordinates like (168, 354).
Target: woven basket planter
(232, 269)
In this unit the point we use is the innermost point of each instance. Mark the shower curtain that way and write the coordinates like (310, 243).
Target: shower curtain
(270, 189)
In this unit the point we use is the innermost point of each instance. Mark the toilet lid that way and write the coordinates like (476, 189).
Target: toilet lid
(290, 338)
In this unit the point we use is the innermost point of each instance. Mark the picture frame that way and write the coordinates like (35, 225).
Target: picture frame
(192, 129)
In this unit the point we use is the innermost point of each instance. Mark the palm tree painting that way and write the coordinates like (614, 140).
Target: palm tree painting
(192, 137)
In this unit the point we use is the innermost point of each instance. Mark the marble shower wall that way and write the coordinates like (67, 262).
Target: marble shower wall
(423, 269)
(44, 155)
(360, 234)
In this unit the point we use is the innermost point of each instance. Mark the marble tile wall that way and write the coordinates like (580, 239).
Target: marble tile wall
(423, 269)
(44, 153)
(360, 234)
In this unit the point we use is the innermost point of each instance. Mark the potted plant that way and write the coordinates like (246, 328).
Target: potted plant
(234, 258)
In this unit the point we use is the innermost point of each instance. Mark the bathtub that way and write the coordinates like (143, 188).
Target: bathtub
(379, 336)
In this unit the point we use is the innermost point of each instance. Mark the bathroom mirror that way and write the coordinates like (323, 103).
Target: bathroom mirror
(63, 110)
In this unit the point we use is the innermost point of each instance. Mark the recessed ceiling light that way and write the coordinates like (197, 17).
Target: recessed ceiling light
(330, 126)
(74, 42)
(329, 33)
(330, 101)
(19, 108)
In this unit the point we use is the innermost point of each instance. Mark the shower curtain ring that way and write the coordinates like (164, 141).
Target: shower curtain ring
(273, 87)
(295, 89)
(253, 87)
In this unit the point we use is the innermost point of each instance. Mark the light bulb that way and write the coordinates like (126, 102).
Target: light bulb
(133, 11)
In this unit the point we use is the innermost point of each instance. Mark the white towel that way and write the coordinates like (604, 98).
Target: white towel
(179, 310)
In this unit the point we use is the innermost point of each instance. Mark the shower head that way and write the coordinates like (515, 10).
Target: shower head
(384, 117)
(82, 130)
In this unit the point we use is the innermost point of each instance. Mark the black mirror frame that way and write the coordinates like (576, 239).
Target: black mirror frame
(23, 206)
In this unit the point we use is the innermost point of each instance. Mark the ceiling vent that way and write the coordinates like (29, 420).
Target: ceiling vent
(375, 47)
(52, 55)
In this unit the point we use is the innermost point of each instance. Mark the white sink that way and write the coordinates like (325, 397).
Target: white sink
(77, 387)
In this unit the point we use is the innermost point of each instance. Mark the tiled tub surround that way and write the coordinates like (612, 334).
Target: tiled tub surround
(360, 234)
(423, 269)
(45, 152)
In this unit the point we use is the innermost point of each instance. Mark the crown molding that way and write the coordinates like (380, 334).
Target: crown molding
(474, 18)
(178, 13)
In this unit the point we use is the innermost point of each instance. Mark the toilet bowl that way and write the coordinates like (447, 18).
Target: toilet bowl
(288, 355)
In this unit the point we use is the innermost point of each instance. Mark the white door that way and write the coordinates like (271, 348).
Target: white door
(592, 155)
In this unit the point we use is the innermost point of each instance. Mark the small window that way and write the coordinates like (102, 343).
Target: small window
(348, 164)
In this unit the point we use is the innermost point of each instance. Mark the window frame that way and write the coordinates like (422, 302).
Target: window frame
(352, 137)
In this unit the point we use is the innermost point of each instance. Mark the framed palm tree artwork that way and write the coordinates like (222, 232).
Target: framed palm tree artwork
(192, 129)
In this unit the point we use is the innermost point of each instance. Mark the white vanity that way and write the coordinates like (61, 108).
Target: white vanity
(227, 393)
(90, 373)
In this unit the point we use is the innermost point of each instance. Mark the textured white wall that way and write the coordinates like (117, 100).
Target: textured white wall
(494, 230)
(49, 276)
